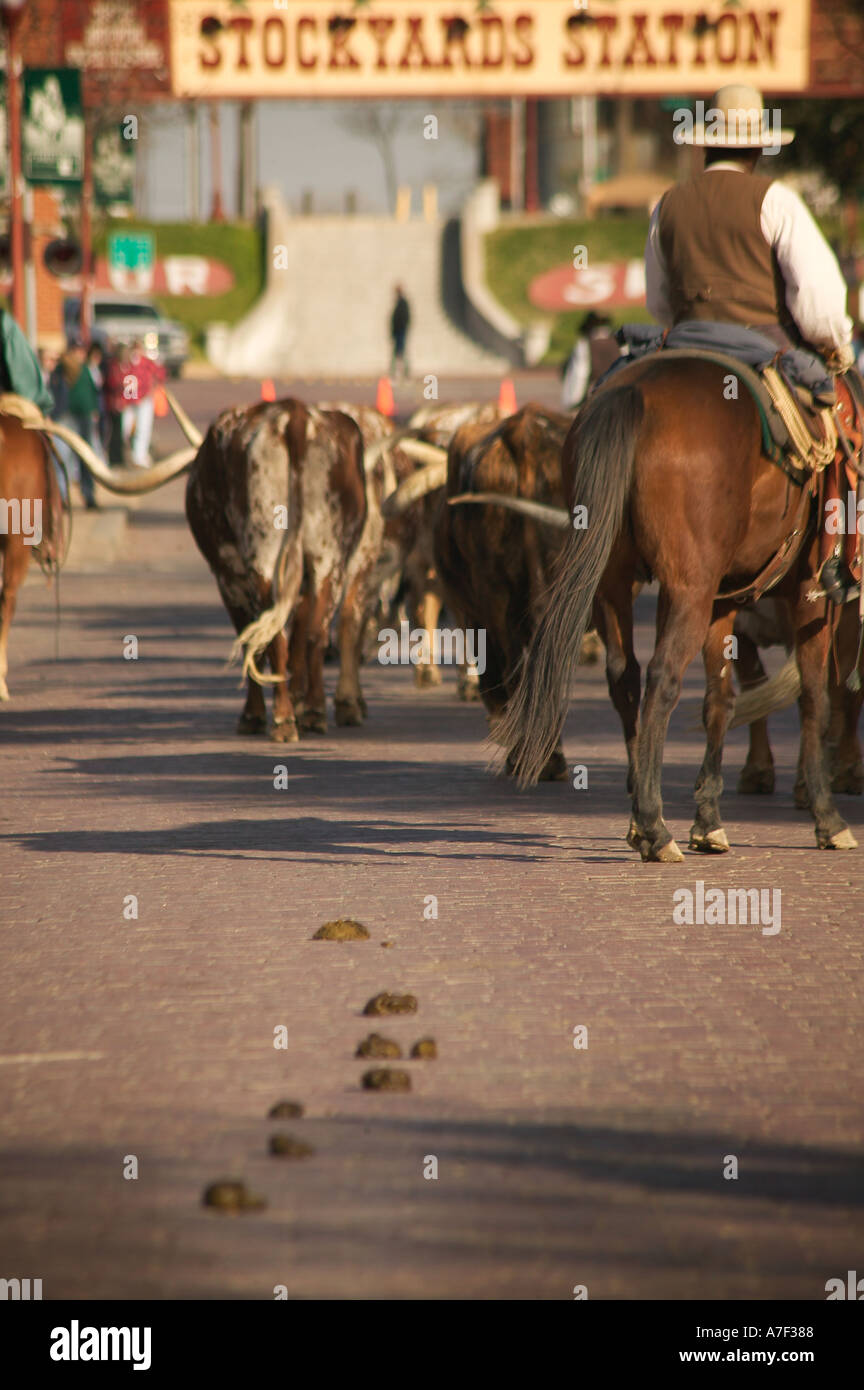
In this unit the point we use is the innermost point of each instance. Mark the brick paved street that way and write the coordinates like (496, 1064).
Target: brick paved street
(557, 1166)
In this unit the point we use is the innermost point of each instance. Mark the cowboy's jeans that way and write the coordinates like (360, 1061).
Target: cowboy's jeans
(74, 467)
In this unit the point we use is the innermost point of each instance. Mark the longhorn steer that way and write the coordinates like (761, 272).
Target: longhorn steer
(410, 528)
(276, 501)
(495, 564)
(30, 514)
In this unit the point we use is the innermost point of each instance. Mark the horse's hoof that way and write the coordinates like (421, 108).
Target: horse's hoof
(843, 839)
(426, 676)
(849, 780)
(666, 854)
(312, 721)
(252, 724)
(755, 781)
(348, 713)
(469, 690)
(4, 691)
(634, 836)
(715, 842)
(555, 768)
(284, 732)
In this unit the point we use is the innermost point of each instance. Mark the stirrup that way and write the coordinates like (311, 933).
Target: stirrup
(836, 580)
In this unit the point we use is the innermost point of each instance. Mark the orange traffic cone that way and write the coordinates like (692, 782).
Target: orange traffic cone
(507, 397)
(160, 403)
(268, 390)
(384, 403)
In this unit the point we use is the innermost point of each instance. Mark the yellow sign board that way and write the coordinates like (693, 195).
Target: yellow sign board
(415, 48)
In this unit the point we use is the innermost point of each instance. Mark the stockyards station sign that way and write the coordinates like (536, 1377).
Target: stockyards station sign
(504, 48)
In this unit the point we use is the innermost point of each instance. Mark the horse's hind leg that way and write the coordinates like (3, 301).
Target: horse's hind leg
(682, 621)
(707, 833)
(847, 771)
(757, 774)
(812, 638)
(14, 559)
(613, 617)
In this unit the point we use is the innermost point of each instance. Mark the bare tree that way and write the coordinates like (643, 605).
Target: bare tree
(379, 122)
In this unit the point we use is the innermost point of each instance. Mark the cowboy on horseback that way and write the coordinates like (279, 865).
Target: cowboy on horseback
(736, 246)
(745, 250)
(689, 483)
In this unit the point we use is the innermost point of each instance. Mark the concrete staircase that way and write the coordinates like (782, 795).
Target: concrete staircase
(326, 308)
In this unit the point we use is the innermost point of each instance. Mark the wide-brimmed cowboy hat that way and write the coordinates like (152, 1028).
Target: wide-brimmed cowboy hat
(736, 119)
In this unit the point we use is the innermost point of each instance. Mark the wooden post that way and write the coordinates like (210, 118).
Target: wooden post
(217, 212)
(16, 209)
(532, 155)
(193, 161)
(517, 153)
(85, 325)
(246, 174)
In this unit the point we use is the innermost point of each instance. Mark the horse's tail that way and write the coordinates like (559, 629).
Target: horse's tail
(604, 447)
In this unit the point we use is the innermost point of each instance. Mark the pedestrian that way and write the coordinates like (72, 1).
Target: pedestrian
(76, 405)
(47, 362)
(141, 378)
(96, 368)
(400, 322)
(593, 352)
(114, 371)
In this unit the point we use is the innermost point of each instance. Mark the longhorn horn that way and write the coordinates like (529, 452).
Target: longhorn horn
(556, 517)
(405, 440)
(423, 453)
(381, 448)
(192, 433)
(125, 481)
(424, 481)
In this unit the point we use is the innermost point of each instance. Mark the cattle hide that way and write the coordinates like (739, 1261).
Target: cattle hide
(276, 497)
(495, 564)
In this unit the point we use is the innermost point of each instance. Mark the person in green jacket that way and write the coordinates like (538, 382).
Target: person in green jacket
(76, 404)
(20, 371)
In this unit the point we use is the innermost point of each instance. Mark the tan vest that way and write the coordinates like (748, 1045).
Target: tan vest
(719, 265)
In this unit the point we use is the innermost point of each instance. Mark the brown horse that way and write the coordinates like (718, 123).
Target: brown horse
(30, 513)
(675, 484)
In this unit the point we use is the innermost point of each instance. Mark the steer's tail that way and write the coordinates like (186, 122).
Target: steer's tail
(603, 446)
(257, 636)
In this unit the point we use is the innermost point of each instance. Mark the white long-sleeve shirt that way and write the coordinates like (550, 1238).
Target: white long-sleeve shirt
(815, 288)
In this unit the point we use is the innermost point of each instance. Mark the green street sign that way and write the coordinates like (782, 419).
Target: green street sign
(113, 167)
(52, 126)
(131, 258)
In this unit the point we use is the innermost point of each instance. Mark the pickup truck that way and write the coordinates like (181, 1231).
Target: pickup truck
(122, 319)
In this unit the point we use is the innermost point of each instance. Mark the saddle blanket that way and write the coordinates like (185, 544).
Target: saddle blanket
(802, 368)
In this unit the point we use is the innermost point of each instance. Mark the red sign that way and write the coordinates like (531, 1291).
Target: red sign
(171, 275)
(609, 284)
(120, 46)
